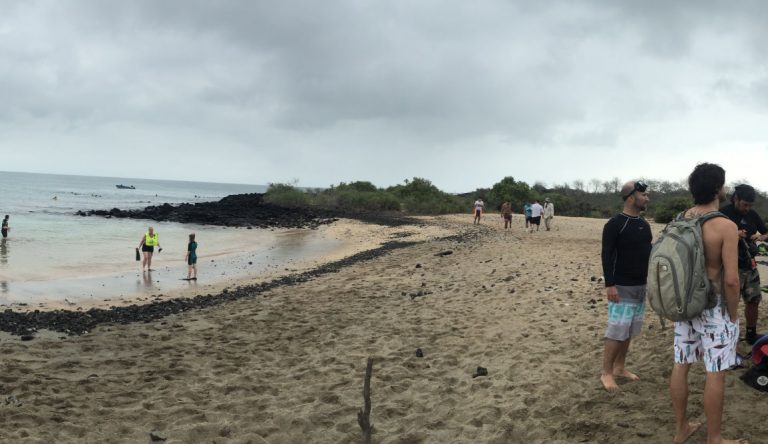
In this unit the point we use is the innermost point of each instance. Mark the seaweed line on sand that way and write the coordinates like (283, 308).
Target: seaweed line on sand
(78, 322)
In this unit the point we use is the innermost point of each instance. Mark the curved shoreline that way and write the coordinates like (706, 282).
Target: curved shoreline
(25, 324)
(243, 210)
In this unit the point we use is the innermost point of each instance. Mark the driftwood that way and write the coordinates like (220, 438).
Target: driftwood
(364, 415)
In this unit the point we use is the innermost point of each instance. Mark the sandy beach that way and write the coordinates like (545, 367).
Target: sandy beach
(287, 366)
(232, 257)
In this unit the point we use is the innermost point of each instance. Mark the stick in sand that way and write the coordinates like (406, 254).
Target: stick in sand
(364, 415)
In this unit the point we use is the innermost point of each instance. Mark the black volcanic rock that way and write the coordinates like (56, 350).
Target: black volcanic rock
(249, 210)
(239, 210)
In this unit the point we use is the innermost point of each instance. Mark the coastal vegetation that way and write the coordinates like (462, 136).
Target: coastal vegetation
(419, 196)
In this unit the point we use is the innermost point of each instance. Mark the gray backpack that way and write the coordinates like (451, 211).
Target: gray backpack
(678, 288)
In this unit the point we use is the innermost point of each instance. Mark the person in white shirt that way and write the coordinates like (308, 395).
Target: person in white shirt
(479, 206)
(536, 210)
(549, 213)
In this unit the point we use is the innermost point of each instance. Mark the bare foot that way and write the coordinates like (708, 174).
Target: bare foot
(683, 435)
(609, 383)
(624, 373)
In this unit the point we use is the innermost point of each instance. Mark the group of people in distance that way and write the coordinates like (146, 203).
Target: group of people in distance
(729, 247)
(533, 213)
(150, 240)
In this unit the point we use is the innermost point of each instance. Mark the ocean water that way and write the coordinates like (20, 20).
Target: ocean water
(40, 194)
(52, 254)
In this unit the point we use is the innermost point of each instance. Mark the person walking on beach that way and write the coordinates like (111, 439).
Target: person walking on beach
(752, 229)
(536, 211)
(626, 248)
(191, 258)
(549, 213)
(506, 214)
(713, 334)
(479, 207)
(147, 245)
(527, 212)
(5, 228)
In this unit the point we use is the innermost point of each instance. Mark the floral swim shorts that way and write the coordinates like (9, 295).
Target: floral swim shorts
(625, 318)
(711, 336)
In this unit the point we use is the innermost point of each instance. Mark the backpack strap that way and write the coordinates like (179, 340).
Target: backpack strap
(702, 217)
(711, 215)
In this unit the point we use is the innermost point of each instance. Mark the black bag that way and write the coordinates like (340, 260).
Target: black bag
(138, 256)
(757, 378)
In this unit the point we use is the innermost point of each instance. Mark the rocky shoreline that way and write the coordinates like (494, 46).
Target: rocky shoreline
(250, 211)
(239, 210)
(26, 324)
(243, 210)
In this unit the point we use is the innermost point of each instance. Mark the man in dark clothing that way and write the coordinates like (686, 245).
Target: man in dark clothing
(5, 227)
(752, 229)
(626, 249)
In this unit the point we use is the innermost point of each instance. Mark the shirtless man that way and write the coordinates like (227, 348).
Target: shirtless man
(506, 214)
(713, 334)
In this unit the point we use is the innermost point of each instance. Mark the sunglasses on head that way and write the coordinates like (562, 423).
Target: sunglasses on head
(639, 186)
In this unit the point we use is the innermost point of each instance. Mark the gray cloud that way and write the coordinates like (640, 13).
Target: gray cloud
(324, 91)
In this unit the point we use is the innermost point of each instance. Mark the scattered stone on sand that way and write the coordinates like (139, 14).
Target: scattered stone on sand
(481, 371)
(77, 322)
(444, 253)
(156, 437)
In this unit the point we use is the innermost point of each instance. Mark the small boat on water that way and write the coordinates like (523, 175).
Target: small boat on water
(125, 187)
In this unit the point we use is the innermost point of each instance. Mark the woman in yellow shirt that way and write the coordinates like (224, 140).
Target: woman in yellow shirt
(147, 245)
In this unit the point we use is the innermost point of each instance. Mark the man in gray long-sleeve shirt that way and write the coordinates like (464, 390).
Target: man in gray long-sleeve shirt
(626, 248)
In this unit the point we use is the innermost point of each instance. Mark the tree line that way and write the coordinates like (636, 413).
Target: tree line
(419, 196)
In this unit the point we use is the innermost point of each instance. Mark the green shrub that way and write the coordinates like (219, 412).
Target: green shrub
(420, 196)
(286, 195)
(665, 211)
(363, 186)
(367, 200)
(509, 190)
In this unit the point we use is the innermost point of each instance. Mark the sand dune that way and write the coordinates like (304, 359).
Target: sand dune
(288, 366)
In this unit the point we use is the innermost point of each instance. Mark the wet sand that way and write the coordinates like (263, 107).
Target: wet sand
(227, 258)
(288, 365)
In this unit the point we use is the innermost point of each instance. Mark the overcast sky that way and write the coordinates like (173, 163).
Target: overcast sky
(461, 93)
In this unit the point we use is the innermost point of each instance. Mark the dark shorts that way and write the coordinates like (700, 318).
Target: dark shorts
(508, 216)
(536, 220)
(478, 213)
(147, 248)
(5, 233)
(192, 260)
(750, 286)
